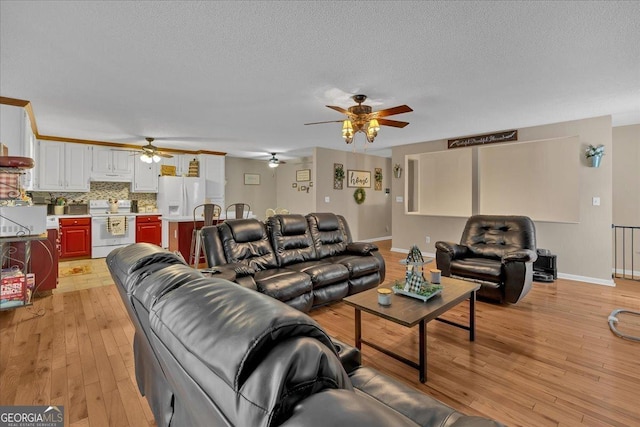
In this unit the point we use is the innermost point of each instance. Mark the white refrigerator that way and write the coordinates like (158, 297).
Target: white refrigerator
(177, 197)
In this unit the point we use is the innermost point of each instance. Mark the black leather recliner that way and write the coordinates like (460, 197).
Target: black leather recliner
(496, 250)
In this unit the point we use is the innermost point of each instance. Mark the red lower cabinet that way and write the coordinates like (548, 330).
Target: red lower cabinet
(75, 237)
(149, 229)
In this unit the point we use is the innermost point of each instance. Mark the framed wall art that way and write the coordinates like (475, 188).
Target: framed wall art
(303, 175)
(251, 179)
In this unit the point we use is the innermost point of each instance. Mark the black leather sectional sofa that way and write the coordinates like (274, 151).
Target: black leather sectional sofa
(303, 261)
(211, 353)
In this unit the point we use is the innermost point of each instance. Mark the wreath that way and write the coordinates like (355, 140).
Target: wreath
(359, 195)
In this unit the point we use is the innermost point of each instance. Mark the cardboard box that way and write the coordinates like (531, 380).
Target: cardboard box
(12, 290)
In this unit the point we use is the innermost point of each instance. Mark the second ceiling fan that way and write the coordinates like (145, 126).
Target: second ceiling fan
(362, 118)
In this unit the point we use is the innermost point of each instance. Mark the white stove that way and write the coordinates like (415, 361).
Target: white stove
(111, 230)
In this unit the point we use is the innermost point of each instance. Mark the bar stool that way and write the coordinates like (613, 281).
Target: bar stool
(210, 212)
(241, 210)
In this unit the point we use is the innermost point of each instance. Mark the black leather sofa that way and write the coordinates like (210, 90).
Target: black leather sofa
(303, 261)
(496, 250)
(211, 353)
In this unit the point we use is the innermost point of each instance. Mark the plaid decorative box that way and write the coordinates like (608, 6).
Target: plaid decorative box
(9, 185)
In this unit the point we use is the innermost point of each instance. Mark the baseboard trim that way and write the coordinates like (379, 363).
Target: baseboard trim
(620, 271)
(406, 251)
(376, 239)
(594, 280)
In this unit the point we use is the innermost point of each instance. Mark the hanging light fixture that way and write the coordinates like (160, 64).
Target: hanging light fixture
(273, 161)
(347, 131)
(146, 158)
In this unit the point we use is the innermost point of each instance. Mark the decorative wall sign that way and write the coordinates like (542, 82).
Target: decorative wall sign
(490, 138)
(303, 175)
(251, 179)
(356, 178)
(377, 186)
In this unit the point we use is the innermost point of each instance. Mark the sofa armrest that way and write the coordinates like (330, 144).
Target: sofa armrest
(522, 255)
(454, 250)
(349, 356)
(361, 248)
(241, 270)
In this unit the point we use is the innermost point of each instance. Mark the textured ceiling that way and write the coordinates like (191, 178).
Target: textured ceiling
(243, 77)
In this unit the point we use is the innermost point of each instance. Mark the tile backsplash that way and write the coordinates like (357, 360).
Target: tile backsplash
(105, 190)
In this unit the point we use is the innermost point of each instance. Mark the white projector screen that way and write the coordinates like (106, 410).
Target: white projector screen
(539, 179)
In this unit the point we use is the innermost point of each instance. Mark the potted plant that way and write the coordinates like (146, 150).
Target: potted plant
(594, 154)
(397, 170)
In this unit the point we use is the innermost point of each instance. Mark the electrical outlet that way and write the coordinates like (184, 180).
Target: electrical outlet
(427, 239)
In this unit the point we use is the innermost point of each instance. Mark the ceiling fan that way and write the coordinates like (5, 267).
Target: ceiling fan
(361, 118)
(150, 152)
(274, 162)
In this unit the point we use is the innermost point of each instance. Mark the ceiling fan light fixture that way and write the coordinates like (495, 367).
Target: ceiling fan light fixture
(347, 131)
(156, 158)
(146, 158)
(273, 161)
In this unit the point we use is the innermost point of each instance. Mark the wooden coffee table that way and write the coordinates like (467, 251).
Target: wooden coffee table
(407, 311)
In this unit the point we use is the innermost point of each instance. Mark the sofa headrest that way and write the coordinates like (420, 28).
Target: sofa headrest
(327, 221)
(245, 230)
(162, 281)
(122, 262)
(494, 235)
(291, 225)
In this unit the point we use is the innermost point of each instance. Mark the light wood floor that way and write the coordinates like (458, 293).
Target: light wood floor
(550, 360)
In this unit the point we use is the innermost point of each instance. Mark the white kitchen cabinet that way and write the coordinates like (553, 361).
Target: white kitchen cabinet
(212, 168)
(145, 177)
(16, 133)
(112, 164)
(62, 166)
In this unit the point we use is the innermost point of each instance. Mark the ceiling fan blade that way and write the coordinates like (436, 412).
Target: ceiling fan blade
(338, 109)
(392, 111)
(319, 123)
(165, 155)
(393, 123)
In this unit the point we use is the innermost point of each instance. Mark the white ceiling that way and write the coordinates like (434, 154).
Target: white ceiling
(243, 77)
